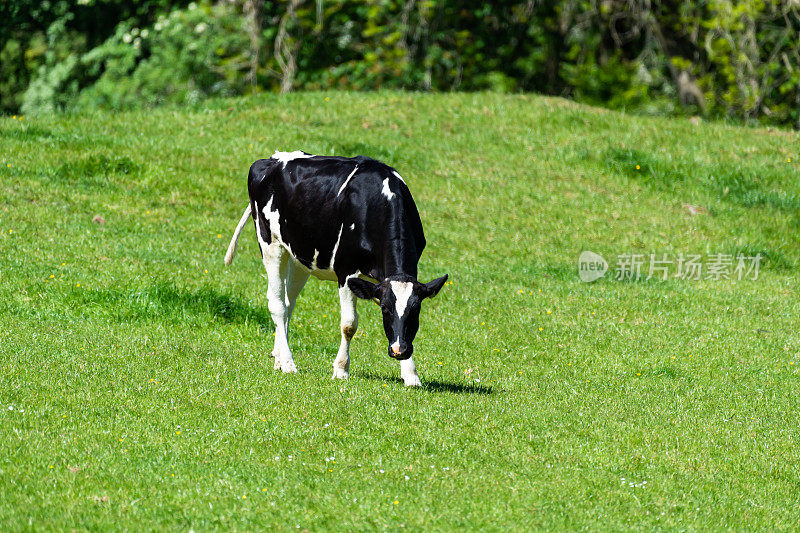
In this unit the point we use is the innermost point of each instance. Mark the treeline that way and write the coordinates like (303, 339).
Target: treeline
(714, 57)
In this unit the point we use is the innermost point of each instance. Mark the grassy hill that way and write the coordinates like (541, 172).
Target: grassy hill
(136, 391)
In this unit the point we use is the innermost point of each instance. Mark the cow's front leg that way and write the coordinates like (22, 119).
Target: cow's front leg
(276, 262)
(409, 373)
(349, 326)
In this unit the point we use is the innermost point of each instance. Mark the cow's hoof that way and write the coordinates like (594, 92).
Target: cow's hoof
(340, 373)
(289, 367)
(412, 381)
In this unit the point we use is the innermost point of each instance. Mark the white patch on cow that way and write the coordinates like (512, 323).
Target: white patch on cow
(402, 292)
(314, 261)
(398, 176)
(352, 226)
(285, 157)
(336, 247)
(261, 240)
(396, 345)
(275, 237)
(346, 181)
(273, 218)
(387, 192)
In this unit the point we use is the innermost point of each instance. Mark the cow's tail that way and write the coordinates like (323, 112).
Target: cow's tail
(232, 246)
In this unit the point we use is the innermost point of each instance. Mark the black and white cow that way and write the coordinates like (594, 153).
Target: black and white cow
(350, 220)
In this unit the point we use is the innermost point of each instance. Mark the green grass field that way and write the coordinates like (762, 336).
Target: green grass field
(136, 390)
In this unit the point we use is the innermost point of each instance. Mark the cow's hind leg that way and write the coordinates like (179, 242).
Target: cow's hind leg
(276, 262)
(349, 326)
(296, 277)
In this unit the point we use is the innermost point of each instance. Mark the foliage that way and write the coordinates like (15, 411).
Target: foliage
(57, 81)
(184, 57)
(718, 58)
(755, 53)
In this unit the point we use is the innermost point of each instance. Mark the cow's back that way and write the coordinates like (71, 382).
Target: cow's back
(323, 208)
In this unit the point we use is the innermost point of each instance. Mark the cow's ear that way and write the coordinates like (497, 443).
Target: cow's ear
(432, 288)
(363, 289)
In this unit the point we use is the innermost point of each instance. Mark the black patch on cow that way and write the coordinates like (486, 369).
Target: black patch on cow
(386, 236)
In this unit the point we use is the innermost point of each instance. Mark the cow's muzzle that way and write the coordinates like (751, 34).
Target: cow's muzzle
(401, 353)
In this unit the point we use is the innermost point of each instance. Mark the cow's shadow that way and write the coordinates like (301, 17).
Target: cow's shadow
(432, 385)
(167, 301)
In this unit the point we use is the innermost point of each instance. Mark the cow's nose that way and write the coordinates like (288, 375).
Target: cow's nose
(397, 348)
(400, 352)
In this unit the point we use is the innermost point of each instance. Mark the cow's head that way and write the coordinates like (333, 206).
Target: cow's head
(400, 298)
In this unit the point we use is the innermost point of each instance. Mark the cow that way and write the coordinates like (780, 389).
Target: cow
(349, 220)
